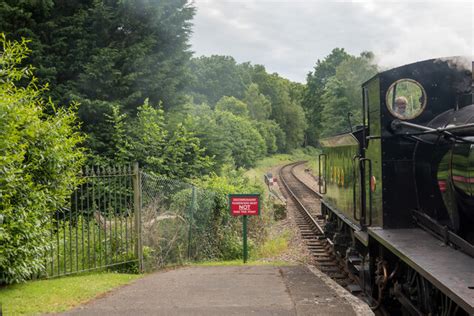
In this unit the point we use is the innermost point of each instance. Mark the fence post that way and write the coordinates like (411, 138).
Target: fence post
(191, 219)
(137, 195)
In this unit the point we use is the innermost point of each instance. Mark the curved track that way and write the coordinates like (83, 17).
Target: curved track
(311, 225)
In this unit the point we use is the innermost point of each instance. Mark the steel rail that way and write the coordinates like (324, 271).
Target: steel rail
(305, 213)
(321, 247)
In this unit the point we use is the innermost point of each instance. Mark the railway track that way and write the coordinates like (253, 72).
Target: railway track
(311, 225)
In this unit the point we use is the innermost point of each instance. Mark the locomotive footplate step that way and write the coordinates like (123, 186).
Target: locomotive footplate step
(229, 290)
(448, 269)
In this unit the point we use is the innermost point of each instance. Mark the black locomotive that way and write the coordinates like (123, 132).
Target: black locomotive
(398, 192)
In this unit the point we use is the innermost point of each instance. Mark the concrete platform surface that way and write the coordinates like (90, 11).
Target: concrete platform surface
(227, 290)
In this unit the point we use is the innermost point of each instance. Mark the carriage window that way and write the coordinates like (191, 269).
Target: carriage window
(406, 99)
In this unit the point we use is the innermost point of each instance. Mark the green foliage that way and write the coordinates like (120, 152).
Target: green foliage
(202, 120)
(232, 105)
(279, 210)
(226, 137)
(214, 77)
(38, 168)
(286, 109)
(219, 79)
(116, 51)
(244, 140)
(176, 154)
(105, 53)
(184, 156)
(223, 229)
(148, 135)
(272, 134)
(335, 108)
(259, 106)
(333, 91)
(313, 94)
(342, 94)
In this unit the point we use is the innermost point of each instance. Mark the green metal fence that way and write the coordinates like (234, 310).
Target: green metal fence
(178, 222)
(99, 228)
(123, 217)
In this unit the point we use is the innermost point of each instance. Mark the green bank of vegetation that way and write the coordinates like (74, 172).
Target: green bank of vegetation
(116, 82)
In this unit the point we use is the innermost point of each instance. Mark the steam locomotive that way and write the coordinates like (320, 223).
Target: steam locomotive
(398, 191)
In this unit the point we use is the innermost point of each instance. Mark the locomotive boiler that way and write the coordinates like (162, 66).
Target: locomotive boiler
(398, 192)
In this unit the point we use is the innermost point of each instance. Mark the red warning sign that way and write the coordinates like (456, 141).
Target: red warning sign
(244, 204)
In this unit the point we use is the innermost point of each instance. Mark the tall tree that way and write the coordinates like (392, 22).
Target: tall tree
(313, 95)
(176, 154)
(342, 93)
(104, 53)
(232, 105)
(286, 111)
(214, 77)
(259, 106)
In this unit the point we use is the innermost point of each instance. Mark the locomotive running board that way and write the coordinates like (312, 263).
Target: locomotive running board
(443, 233)
(448, 270)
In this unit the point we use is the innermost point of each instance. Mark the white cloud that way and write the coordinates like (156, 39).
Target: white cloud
(289, 36)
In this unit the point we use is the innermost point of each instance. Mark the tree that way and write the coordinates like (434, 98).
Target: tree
(342, 94)
(245, 142)
(352, 73)
(336, 106)
(184, 156)
(177, 154)
(232, 105)
(286, 111)
(106, 53)
(214, 77)
(39, 166)
(313, 95)
(259, 106)
(272, 134)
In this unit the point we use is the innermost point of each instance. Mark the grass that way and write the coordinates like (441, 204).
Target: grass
(57, 295)
(262, 256)
(273, 247)
(239, 262)
(266, 163)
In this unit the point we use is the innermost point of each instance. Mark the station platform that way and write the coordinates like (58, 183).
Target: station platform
(229, 290)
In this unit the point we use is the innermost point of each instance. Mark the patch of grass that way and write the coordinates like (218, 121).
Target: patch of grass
(310, 154)
(264, 165)
(274, 247)
(57, 295)
(241, 263)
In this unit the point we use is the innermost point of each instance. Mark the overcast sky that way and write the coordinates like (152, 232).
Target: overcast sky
(289, 36)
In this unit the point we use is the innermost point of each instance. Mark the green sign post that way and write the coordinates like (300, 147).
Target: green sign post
(244, 228)
(244, 205)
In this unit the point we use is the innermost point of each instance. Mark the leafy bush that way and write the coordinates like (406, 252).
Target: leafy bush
(246, 143)
(224, 230)
(38, 166)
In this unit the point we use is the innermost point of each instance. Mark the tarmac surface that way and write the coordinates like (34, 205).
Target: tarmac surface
(229, 290)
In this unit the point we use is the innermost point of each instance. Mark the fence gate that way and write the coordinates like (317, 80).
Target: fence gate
(101, 227)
